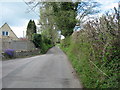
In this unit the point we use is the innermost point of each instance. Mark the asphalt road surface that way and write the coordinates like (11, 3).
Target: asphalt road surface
(52, 70)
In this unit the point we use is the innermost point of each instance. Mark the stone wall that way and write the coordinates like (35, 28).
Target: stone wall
(22, 54)
(0, 49)
(26, 53)
(22, 48)
(17, 45)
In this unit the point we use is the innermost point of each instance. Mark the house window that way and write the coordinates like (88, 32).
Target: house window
(5, 33)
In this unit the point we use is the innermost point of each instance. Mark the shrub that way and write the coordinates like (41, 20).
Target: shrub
(37, 40)
(95, 53)
(9, 53)
(42, 42)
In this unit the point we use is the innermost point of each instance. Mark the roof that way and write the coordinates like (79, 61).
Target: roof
(9, 27)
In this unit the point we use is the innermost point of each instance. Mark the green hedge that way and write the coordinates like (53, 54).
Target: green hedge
(92, 72)
(42, 42)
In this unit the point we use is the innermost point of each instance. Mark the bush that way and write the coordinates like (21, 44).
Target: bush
(9, 53)
(42, 42)
(37, 40)
(95, 53)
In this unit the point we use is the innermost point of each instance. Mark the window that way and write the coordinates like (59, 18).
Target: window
(5, 33)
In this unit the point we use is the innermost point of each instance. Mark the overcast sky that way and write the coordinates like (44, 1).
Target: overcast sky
(15, 13)
(17, 16)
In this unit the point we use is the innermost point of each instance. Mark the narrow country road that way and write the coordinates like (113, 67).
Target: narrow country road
(51, 70)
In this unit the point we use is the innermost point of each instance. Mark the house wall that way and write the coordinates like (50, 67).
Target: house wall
(11, 35)
(21, 47)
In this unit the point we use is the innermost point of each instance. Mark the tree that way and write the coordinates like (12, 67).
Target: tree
(65, 16)
(34, 27)
(37, 40)
(47, 22)
(43, 43)
(31, 29)
(85, 9)
(61, 15)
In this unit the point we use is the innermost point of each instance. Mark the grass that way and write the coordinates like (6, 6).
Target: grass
(88, 65)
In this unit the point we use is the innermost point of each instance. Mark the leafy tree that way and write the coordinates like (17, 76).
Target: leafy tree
(58, 15)
(47, 22)
(65, 16)
(31, 29)
(62, 15)
(34, 27)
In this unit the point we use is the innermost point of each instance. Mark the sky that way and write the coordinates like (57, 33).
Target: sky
(108, 4)
(15, 13)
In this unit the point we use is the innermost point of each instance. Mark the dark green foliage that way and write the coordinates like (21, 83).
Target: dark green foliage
(65, 16)
(46, 44)
(42, 42)
(67, 6)
(34, 27)
(37, 40)
(31, 29)
(29, 24)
